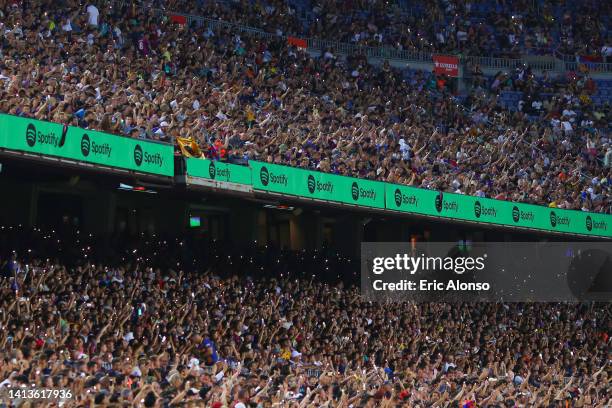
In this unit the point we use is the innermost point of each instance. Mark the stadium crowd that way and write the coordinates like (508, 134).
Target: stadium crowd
(153, 322)
(488, 28)
(123, 70)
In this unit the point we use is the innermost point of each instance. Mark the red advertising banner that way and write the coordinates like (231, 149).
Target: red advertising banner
(446, 64)
(176, 18)
(297, 42)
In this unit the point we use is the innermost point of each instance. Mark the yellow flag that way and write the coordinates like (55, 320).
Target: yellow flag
(189, 147)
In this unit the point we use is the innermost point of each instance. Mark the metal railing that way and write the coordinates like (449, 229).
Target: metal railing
(600, 67)
(564, 57)
(547, 63)
(371, 52)
(215, 24)
(571, 64)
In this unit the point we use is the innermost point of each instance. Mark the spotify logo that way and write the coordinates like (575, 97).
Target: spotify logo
(85, 145)
(484, 211)
(34, 136)
(31, 135)
(138, 155)
(557, 220)
(526, 216)
(264, 176)
(316, 186)
(355, 191)
(212, 170)
(595, 225)
(398, 197)
(589, 223)
(448, 205)
(312, 184)
(407, 199)
(439, 201)
(516, 214)
(553, 219)
(89, 146)
(477, 209)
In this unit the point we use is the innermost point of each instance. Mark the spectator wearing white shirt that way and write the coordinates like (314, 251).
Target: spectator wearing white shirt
(570, 114)
(586, 122)
(67, 26)
(93, 15)
(608, 158)
(536, 105)
(566, 125)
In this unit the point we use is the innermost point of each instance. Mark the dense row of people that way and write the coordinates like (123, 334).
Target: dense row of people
(491, 28)
(122, 70)
(153, 322)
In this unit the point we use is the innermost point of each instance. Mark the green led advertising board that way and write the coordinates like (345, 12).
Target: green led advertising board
(486, 210)
(52, 139)
(90, 146)
(316, 185)
(219, 171)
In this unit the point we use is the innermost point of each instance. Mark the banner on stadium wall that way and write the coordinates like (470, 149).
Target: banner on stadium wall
(218, 171)
(317, 185)
(487, 210)
(53, 139)
(446, 64)
(297, 42)
(178, 19)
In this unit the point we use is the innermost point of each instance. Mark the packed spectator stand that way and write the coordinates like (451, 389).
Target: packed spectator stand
(157, 321)
(154, 321)
(123, 69)
(510, 28)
